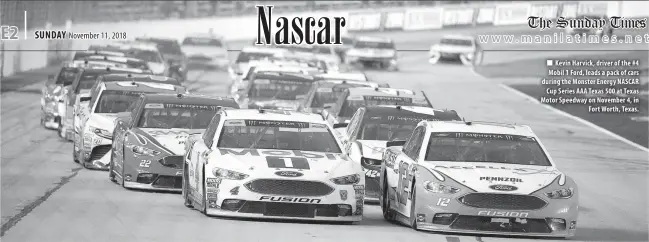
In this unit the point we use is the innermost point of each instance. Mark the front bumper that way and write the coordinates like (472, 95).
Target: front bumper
(445, 213)
(97, 152)
(384, 62)
(147, 173)
(231, 198)
(49, 115)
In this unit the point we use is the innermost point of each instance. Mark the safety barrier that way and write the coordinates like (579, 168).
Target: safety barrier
(406, 18)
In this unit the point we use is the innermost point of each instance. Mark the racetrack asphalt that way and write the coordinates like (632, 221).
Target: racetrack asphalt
(47, 197)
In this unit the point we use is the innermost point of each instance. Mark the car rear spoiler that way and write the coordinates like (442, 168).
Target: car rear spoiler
(427, 100)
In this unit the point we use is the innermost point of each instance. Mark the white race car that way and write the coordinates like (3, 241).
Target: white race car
(453, 48)
(205, 51)
(477, 177)
(272, 164)
(246, 56)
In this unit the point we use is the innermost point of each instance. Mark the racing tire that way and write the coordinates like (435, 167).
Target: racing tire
(185, 193)
(75, 157)
(413, 210)
(61, 131)
(204, 210)
(111, 172)
(388, 213)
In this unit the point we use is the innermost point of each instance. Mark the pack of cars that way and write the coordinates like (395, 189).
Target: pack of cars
(301, 138)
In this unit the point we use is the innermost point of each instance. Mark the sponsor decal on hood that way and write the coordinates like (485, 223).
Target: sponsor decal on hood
(170, 140)
(266, 162)
(373, 149)
(482, 177)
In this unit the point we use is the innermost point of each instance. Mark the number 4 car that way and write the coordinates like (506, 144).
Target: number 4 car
(477, 177)
(271, 164)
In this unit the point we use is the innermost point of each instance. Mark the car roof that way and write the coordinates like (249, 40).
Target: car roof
(139, 78)
(373, 39)
(333, 81)
(262, 114)
(396, 110)
(121, 59)
(113, 69)
(377, 91)
(97, 64)
(345, 76)
(142, 86)
(458, 37)
(284, 76)
(195, 99)
(479, 127)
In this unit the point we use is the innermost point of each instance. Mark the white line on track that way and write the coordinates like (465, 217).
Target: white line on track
(578, 119)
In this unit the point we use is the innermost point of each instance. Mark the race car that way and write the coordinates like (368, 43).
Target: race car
(477, 177)
(276, 90)
(51, 95)
(93, 141)
(354, 98)
(341, 50)
(120, 61)
(371, 128)
(171, 53)
(149, 142)
(325, 53)
(80, 55)
(373, 52)
(326, 92)
(271, 164)
(454, 48)
(247, 55)
(239, 86)
(205, 50)
(151, 55)
(607, 30)
(76, 93)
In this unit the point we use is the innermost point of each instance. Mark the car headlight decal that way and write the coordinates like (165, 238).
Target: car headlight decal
(228, 174)
(347, 180)
(436, 187)
(563, 193)
(102, 132)
(141, 150)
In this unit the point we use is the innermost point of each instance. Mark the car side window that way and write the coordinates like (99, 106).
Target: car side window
(419, 138)
(208, 136)
(412, 144)
(355, 124)
(351, 126)
(135, 110)
(94, 95)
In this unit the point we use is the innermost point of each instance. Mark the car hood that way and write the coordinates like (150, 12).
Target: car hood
(265, 163)
(190, 50)
(371, 52)
(104, 121)
(455, 49)
(373, 149)
(171, 141)
(479, 177)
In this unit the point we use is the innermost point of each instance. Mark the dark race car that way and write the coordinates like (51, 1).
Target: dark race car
(326, 92)
(149, 143)
(368, 132)
(372, 52)
(276, 90)
(355, 98)
(51, 97)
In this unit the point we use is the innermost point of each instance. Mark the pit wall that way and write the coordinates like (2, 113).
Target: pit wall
(28, 53)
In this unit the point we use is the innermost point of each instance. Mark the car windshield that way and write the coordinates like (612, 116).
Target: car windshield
(481, 147)
(66, 76)
(203, 42)
(459, 42)
(393, 127)
(176, 116)
(330, 92)
(148, 56)
(278, 89)
(282, 135)
(373, 45)
(245, 57)
(113, 101)
(350, 106)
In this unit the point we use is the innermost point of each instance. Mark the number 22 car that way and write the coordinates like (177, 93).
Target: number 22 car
(149, 142)
(272, 164)
(477, 177)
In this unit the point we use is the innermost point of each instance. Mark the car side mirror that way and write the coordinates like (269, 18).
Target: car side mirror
(340, 125)
(84, 99)
(395, 143)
